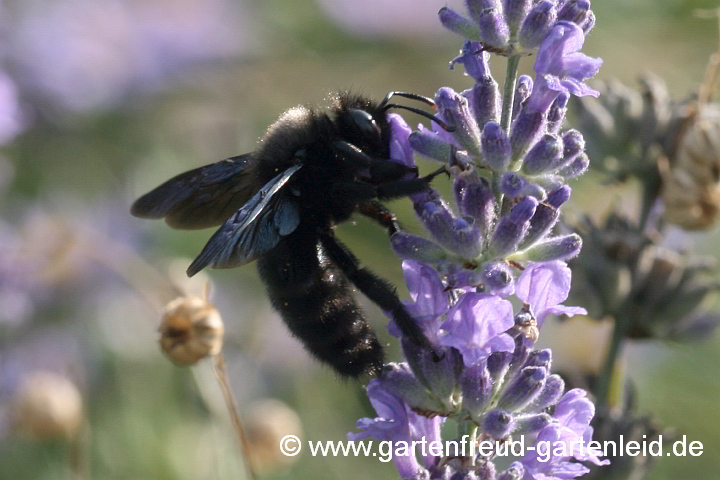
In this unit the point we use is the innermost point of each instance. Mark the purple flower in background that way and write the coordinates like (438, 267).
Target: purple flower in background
(12, 122)
(85, 54)
(544, 286)
(560, 63)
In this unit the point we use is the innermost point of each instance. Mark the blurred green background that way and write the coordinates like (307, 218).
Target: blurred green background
(109, 98)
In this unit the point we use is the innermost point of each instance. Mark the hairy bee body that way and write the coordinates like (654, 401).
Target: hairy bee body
(279, 206)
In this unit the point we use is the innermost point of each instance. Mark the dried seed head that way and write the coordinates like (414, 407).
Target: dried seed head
(191, 329)
(47, 406)
(267, 422)
(691, 184)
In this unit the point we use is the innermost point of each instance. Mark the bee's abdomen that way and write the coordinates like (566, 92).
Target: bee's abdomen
(316, 302)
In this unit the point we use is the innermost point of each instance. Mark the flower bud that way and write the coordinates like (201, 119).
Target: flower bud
(455, 110)
(476, 388)
(574, 11)
(498, 423)
(545, 154)
(515, 13)
(455, 22)
(515, 185)
(526, 128)
(522, 92)
(576, 168)
(550, 394)
(488, 15)
(47, 406)
(533, 423)
(556, 115)
(427, 143)
(439, 376)
(475, 199)
(556, 248)
(407, 245)
(537, 24)
(512, 228)
(398, 379)
(496, 147)
(191, 329)
(515, 472)
(545, 218)
(525, 387)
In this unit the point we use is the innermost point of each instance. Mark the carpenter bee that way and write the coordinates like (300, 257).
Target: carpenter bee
(279, 204)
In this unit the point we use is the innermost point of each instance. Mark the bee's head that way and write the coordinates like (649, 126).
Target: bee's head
(363, 123)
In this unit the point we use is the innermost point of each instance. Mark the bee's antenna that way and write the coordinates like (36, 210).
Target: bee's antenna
(413, 96)
(445, 126)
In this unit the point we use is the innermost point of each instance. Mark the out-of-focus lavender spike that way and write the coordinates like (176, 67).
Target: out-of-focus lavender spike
(545, 154)
(522, 92)
(459, 24)
(537, 24)
(496, 147)
(455, 110)
(577, 167)
(556, 115)
(512, 228)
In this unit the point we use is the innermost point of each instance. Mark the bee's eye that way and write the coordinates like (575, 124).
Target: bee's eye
(366, 124)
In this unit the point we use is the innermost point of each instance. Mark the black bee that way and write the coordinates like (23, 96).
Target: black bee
(279, 205)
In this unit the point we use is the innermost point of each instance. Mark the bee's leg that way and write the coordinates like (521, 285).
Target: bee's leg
(404, 188)
(381, 169)
(375, 288)
(381, 214)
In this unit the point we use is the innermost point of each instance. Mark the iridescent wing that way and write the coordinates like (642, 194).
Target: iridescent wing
(203, 197)
(255, 229)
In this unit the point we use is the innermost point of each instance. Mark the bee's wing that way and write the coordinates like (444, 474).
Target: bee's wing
(255, 229)
(203, 197)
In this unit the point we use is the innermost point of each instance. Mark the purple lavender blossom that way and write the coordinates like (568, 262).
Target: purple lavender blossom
(476, 325)
(397, 423)
(544, 286)
(561, 65)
